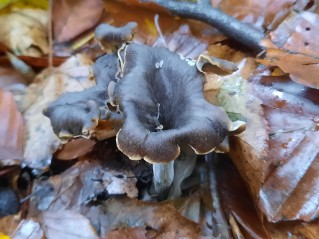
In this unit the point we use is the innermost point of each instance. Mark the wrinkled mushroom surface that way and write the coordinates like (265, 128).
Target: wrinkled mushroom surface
(77, 113)
(111, 37)
(161, 96)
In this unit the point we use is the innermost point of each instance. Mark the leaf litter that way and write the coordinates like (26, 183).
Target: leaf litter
(283, 114)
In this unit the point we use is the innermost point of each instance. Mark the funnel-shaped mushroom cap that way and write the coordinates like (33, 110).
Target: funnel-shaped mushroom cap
(161, 96)
(78, 113)
(111, 37)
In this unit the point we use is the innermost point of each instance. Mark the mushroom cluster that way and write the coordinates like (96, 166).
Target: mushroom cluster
(158, 96)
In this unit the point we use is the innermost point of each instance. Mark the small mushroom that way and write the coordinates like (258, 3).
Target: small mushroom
(76, 114)
(111, 38)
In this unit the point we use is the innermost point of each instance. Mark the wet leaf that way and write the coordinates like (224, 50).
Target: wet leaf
(41, 142)
(260, 13)
(81, 184)
(75, 148)
(164, 219)
(130, 233)
(25, 31)
(294, 47)
(11, 130)
(290, 191)
(30, 229)
(71, 18)
(67, 224)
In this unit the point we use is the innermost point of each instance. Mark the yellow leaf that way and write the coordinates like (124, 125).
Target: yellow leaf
(3, 236)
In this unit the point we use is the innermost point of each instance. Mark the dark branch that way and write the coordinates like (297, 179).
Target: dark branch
(203, 11)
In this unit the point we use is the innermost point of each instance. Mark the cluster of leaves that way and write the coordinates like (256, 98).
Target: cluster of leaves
(88, 189)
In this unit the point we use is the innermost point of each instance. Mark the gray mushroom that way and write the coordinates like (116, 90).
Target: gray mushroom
(161, 97)
(111, 38)
(76, 114)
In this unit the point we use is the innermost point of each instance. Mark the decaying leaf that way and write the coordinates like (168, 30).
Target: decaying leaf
(25, 31)
(75, 148)
(67, 224)
(11, 130)
(162, 218)
(41, 142)
(130, 233)
(81, 184)
(260, 13)
(71, 18)
(236, 96)
(291, 188)
(294, 47)
(30, 229)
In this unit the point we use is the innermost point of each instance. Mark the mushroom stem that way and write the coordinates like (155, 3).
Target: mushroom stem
(183, 167)
(163, 176)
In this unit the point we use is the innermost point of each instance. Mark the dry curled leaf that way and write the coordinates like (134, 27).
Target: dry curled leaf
(25, 31)
(11, 129)
(41, 142)
(294, 47)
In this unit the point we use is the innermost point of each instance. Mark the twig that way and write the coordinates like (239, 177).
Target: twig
(203, 11)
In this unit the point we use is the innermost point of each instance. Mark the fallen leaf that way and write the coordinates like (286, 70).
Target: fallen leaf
(28, 229)
(41, 142)
(12, 80)
(25, 31)
(9, 224)
(262, 14)
(277, 153)
(67, 224)
(71, 18)
(81, 184)
(11, 130)
(129, 233)
(75, 148)
(237, 97)
(294, 47)
(164, 219)
(290, 191)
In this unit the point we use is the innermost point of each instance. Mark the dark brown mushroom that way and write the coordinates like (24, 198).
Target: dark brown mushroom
(111, 38)
(161, 96)
(76, 114)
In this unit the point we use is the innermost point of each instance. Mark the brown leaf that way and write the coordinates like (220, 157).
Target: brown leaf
(129, 233)
(294, 47)
(71, 18)
(162, 218)
(260, 13)
(81, 184)
(10, 79)
(75, 148)
(11, 129)
(67, 224)
(291, 190)
(25, 31)
(236, 201)
(41, 142)
(277, 155)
